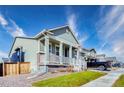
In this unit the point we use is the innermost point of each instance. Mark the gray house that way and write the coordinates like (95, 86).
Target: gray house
(50, 49)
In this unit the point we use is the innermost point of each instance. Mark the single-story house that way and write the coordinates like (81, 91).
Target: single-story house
(50, 49)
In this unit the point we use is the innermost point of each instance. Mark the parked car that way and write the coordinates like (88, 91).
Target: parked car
(100, 65)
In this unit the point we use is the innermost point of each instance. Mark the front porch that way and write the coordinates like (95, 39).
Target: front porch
(55, 52)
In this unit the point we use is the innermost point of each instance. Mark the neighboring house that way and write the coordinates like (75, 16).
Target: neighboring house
(113, 60)
(50, 49)
(92, 53)
(101, 57)
(121, 64)
(89, 54)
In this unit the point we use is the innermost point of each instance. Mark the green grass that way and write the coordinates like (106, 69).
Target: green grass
(70, 80)
(119, 82)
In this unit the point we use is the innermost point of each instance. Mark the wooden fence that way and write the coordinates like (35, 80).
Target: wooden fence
(24, 68)
(14, 68)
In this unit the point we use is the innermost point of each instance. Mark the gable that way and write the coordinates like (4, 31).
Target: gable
(93, 50)
(65, 34)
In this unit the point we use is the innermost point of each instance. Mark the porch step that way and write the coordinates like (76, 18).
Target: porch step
(36, 75)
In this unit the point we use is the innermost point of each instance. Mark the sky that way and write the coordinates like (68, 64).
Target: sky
(99, 27)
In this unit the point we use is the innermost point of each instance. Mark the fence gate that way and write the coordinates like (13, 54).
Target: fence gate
(14, 68)
(24, 68)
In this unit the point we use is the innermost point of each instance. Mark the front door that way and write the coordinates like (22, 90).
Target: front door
(66, 54)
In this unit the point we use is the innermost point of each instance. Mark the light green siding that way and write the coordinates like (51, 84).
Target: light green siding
(30, 47)
(65, 35)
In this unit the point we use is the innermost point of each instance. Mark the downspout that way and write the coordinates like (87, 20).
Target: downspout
(20, 54)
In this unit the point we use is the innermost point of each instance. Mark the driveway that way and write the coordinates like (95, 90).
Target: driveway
(107, 80)
(15, 81)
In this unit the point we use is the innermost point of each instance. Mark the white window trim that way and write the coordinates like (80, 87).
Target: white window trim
(67, 31)
(56, 45)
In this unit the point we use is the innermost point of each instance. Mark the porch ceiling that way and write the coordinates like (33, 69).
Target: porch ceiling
(58, 42)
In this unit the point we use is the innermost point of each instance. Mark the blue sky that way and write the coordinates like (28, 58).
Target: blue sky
(99, 27)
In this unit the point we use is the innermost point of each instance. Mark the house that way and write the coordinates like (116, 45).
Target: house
(50, 49)
(113, 60)
(89, 54)
(101, 57)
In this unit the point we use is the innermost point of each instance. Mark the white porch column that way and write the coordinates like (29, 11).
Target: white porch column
(61, 51)
(78, 56)
(46, 50)
(84, 65)
(38, 45)
(78, 60)
(70, 54)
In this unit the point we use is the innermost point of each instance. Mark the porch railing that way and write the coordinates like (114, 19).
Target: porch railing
(55, 59)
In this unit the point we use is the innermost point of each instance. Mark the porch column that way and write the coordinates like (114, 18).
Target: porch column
(78, 56)
(61, 51)
(38, 45)
(78, 61)
(46, 50)
(70, 54)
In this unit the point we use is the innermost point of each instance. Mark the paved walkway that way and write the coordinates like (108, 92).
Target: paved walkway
(105, 81)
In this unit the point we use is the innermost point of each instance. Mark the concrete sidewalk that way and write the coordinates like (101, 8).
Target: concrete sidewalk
(107, 80)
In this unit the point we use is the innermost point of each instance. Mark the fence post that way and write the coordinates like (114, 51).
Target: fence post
(3, 69)
(17, 68)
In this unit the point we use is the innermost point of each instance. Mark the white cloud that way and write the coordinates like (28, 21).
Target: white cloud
(3, 21)
(72, 21)
(111, 22)
(15, 30)
(83, 38)
(110, 31)
(11, 27)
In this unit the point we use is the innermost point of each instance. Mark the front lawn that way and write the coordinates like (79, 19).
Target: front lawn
(70, 80)
(119, 82)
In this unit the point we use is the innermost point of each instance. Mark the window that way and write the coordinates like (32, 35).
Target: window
(50, 47)
(67, 31)
(57, 50)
